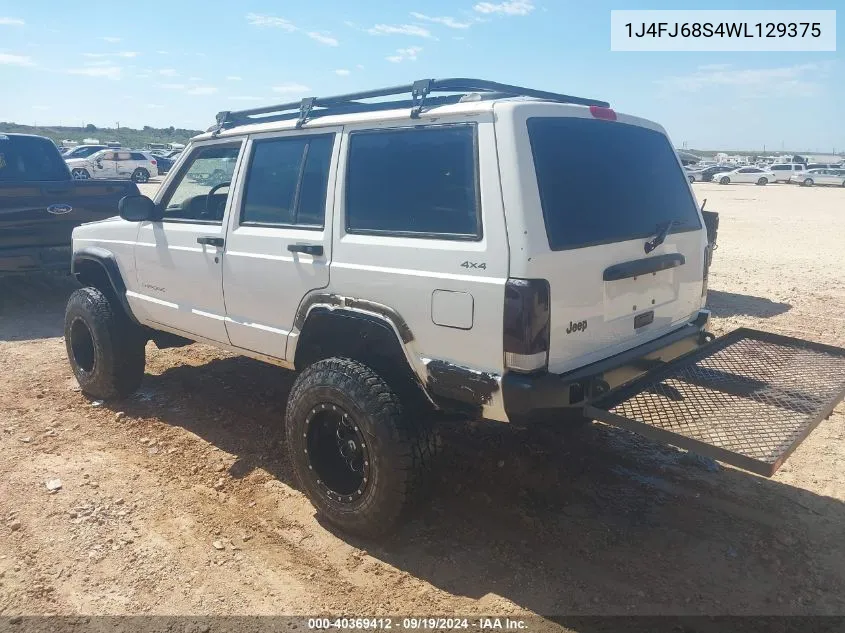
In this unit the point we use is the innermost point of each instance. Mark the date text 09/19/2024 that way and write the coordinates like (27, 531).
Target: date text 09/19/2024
(412, 623)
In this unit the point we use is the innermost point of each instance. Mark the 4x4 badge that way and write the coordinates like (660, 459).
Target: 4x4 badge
(59, 209)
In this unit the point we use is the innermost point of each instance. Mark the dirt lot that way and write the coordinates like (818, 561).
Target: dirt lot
(181, 500)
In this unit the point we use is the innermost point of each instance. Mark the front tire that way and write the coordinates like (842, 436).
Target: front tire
(724, 180)
(360, 457)
(80, 174)
(105, 349)
(763, 181)
(140, 175)
(808, 182)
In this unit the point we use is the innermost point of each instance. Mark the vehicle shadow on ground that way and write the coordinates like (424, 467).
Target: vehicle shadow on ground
(595, 522)
(32, 306)
(728, 304)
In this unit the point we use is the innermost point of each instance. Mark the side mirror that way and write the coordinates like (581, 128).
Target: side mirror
(136, 209)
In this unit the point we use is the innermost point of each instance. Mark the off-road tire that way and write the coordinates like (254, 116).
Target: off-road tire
(105, 349)
(724, 180)
(400, 444)
(140, 175)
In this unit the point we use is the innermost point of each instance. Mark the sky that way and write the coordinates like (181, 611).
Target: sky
(179, 63)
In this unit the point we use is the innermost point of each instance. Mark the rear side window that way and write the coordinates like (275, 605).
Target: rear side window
(27, 158)
(586, 203)
(781, 168)
(286, 182)
(137, 156)
(418, 182)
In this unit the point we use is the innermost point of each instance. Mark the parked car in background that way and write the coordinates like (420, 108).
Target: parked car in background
(40, 205)
(785, 171)
(824, 166)
(747, 174)
(82, 151)
(694, 173)
(111, 164)
(812, 177)
(163, 163)
(708, 173)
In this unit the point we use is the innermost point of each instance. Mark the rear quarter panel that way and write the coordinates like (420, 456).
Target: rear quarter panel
(415, 276)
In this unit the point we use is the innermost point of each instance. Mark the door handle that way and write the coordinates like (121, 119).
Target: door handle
(211, 241)
(309, 249)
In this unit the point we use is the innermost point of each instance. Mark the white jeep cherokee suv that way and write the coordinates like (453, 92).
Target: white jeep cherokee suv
(456, 253)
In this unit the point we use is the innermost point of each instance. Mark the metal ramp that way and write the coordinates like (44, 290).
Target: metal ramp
(747, 399)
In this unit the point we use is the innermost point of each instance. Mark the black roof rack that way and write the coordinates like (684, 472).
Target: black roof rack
(420, 92)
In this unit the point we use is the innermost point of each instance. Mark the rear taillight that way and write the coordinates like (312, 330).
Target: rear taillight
(526, 324)
(152, 160)
(603, 113)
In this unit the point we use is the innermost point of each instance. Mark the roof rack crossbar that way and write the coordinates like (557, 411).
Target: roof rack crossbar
(419, 90)
(349, 108)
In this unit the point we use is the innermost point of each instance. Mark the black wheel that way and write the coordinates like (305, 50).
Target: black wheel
(140, 175)
(691, 179)
(105, 349)
(763, 181)
(80, 174)
(808, 182)
(724, 180)
(360, 457)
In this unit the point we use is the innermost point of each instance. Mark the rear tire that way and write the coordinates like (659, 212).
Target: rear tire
(724, 180)
(360, 457)
(763, 181)
(80, 174)
(808, 182)
(105, 349)
(140, 175)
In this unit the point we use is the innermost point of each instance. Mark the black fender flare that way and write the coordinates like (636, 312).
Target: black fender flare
(107, 261)
(347, 320)
(357, 329)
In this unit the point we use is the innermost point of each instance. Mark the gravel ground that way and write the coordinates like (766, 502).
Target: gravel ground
(181, 499)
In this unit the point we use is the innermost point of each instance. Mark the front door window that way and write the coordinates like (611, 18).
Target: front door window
(201, 189)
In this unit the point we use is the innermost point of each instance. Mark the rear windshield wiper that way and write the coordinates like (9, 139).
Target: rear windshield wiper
(662, 231)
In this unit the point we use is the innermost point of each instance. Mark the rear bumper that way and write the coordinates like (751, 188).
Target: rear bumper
(31, 259)
(528, 397)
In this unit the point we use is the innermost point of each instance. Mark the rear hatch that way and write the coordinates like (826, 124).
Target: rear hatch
(593, 192)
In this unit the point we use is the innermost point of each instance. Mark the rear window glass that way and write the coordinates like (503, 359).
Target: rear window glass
(603, 182)
(26, 158)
